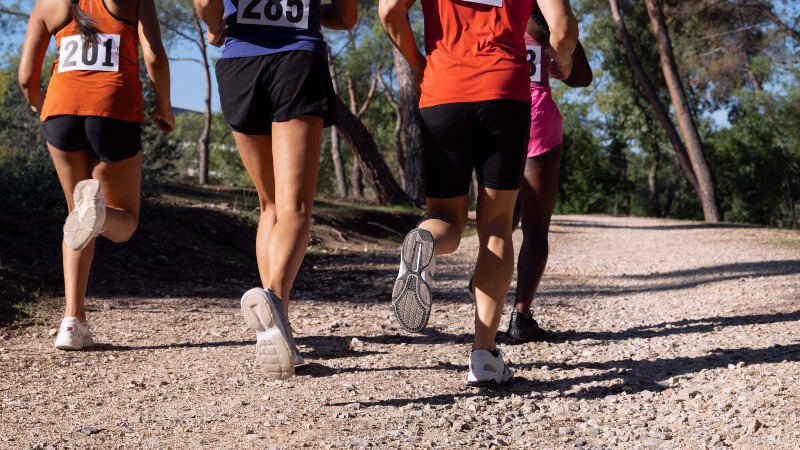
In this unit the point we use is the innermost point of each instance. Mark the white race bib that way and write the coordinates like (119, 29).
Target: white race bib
(75, 54)
(535, 61)
(275, 13)
(498, 3)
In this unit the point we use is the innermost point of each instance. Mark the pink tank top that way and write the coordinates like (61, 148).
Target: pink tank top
(539, 61)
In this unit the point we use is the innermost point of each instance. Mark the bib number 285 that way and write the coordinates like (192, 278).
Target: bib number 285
(535, 61)
(102, 55)
(276, 13)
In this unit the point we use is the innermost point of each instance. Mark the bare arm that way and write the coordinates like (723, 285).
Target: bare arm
(37, 38)
(339, 15)
(155, 59)
(394, 16)
(563, 31)
(213, 14)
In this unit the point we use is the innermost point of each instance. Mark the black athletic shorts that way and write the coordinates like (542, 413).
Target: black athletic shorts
(258, 90)
(107, 140)
(490, 137)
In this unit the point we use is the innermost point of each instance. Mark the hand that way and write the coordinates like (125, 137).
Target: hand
(555, 71)
(559, 70)
(216, 35)
(164, 120)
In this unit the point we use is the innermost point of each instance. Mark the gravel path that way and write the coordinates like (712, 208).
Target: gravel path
(665, 335)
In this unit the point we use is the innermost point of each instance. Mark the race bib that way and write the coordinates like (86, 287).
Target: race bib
(102, 55)
(498, 3)
(274, 13)
(535, 61)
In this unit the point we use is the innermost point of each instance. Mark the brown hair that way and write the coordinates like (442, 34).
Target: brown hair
(84, 23)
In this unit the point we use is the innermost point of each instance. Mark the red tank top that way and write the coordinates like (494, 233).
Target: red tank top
(100, 79)
(476, 51)
(539, 61)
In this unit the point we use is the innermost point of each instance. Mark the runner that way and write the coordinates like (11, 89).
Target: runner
(537, 196)
(475, 113)
(277, 95)
(92, 117)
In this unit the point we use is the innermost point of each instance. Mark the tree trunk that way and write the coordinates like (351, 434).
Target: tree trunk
(368, 158)
(705, 181)
(336, 153)
(397, 132)
(338, 165)
(357, 180)
(205, 136)
(652, 96)
(652, 180)
(413, 176)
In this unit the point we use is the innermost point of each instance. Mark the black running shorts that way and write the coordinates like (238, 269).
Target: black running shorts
(107, 140)
(490, 137)
(258, 90)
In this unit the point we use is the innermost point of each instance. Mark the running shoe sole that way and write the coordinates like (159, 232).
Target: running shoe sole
(411, 297)
(81, 226)
(273, 350)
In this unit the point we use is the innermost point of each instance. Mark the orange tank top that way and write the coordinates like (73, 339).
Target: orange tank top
(476, 51)
(100, 79)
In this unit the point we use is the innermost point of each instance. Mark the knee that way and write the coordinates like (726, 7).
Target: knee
(122, 237)
(495, 227)
(299, 220)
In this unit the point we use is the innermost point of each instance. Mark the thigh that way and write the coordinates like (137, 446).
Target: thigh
(295, 156)
(503, 136)
(71, 168)
(539, 190)
(256, 154)
(120, 183)
(495, 209)
(448, 149)
(113, 140)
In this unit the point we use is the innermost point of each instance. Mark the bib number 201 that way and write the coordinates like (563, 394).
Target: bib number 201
(102, 55)
(535, 61)
(276, 13)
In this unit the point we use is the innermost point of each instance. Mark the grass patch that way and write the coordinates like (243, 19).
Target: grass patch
(786, 242)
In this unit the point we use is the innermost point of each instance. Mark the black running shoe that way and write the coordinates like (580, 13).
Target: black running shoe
(523, 328)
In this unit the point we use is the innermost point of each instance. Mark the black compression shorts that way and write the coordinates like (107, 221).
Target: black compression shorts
(106, 139)
(258, 90)
(490, 137)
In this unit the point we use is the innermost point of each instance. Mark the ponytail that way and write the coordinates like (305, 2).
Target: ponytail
(541, 22)
(84, 23)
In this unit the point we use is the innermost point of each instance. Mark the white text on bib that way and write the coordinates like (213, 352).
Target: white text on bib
(103, 55)
(276, 13)
(535, 61)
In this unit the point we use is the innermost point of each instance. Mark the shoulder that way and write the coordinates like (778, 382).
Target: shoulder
(54, 13)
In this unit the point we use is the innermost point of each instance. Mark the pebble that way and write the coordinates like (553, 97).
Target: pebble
(754, 425)
(89, 430)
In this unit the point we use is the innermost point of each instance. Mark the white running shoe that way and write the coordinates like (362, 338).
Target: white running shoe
(411, 297)
(486, 370)
(86, 220)
(263, 313)
(73, 335)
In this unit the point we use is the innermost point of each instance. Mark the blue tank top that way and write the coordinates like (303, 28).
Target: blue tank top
(263, 27)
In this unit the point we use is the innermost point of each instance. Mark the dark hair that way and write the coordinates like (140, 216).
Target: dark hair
(541, 22)
(84, 23)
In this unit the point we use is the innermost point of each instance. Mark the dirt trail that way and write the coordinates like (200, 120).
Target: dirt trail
(665, 335)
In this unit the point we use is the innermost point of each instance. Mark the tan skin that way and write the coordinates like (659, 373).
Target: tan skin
(119, 181)
(283, 167)
(447, 217)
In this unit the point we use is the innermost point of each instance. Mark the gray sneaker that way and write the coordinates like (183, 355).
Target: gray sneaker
(411, 297)
(274, 344)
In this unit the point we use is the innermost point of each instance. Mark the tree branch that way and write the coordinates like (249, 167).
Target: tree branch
(370, 94)
(14, 13)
